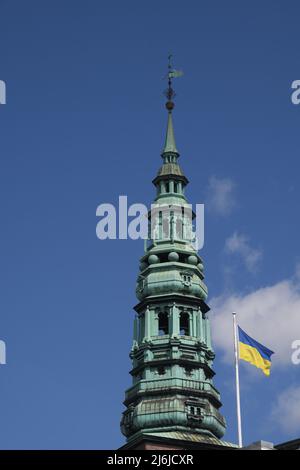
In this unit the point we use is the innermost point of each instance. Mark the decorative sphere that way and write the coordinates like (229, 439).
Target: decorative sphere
(173, 256)
(192, 259)
(143, 266)
(170, 105)
(153, 259)
(200, 266)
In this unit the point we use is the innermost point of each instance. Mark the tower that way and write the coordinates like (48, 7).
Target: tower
(172, 402)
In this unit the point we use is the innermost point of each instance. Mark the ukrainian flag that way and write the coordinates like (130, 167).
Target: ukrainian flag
(254, 352)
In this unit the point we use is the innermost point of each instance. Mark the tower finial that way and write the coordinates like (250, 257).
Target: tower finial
(169, 92)
(170, 146)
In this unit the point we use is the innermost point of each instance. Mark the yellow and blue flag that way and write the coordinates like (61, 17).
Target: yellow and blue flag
(254, 352)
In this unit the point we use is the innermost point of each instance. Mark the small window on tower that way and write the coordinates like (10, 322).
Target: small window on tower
(163, 324)
(194, 412)
(186, 279)
(161, 370)
(184, 324)
(189, 371)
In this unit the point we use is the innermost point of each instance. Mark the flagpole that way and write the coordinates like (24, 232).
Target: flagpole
(237, 380)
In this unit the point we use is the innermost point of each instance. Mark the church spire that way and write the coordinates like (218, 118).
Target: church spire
(172, 399)
(170, 145)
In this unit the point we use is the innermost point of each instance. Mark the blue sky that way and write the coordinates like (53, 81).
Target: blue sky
(84, 123)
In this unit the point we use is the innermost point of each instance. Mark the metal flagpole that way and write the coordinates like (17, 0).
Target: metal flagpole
(237, 380)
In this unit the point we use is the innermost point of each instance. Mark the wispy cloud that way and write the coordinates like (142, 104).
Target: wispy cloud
(269, 314)
(286, 410)
(239, 244)
(220, 195)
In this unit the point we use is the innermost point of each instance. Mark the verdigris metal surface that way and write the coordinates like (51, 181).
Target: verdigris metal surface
(172, 355)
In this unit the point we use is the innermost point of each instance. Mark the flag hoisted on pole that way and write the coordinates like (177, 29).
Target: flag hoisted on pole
(254, 352)
(237, 380)
(249, 350)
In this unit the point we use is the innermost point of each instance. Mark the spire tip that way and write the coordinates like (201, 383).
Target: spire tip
(169, 92)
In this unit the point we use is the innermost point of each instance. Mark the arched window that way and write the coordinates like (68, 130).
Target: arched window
(163, 324)
(184, 324)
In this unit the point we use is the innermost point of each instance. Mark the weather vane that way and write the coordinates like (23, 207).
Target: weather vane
(169, 92)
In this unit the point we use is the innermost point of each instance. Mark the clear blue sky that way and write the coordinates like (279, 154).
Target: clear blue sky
(84, 123)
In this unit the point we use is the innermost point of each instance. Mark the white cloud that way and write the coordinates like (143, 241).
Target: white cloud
(286, 410)
(239, 244)
(220, 195)
(271, 315)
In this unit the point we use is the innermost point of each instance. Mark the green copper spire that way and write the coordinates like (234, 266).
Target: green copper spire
(170, 145)
(172, 391)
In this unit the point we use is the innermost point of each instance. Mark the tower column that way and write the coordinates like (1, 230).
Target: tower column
(200, 328)
(147, 324)
(194, 319)
(208, 333)
(191, 325)
(141, 322)
(175, 321)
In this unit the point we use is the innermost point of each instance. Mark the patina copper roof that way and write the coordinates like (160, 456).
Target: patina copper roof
(170, 169)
